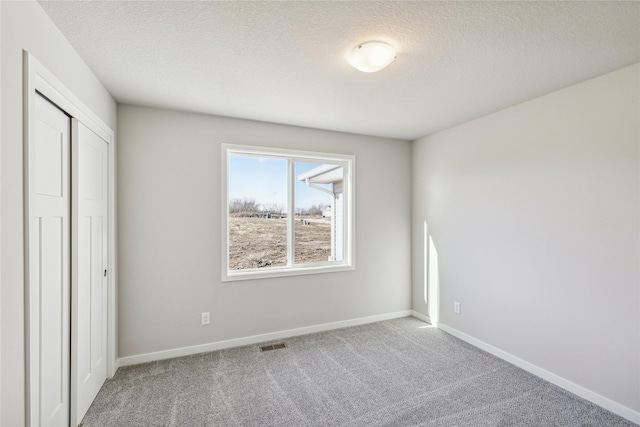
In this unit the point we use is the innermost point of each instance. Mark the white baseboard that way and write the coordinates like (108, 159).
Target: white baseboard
(116, 365)
(255, 339)
(572, 387)
(423, 317)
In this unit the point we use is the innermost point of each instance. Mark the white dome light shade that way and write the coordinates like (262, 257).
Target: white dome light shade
(370, 57)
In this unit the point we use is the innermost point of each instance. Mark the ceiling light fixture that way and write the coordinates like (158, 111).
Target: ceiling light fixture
(372, 56)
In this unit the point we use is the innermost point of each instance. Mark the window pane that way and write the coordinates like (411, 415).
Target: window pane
(318, 218)
(257, 212)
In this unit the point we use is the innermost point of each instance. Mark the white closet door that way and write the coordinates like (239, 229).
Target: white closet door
(49, 280)
(90, 257)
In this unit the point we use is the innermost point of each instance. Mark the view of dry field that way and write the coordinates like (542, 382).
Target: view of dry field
(262, 242)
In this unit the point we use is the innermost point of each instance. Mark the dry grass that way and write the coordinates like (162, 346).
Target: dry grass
(260, 242)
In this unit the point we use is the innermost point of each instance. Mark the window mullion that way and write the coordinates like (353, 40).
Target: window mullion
(290, 214)
(346, 214)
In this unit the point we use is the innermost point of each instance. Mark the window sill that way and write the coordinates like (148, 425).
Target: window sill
(237, 275)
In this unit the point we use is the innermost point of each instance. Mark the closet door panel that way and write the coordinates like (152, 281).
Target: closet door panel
(90, 209)
(49, 260)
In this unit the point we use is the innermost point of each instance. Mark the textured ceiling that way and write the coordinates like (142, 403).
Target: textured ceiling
(285, 62)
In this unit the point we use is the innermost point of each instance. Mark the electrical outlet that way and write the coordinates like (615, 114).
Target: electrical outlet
(205, 318)
(456, 307)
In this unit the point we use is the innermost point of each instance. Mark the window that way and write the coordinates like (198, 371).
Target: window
(285, 212)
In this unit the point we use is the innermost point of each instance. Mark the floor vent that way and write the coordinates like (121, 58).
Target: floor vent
(273, 347)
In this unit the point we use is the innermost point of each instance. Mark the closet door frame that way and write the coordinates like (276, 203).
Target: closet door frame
(37, 79)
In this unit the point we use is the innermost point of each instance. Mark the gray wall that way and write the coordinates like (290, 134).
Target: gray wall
(169, 208)
(534, 212)
(26, 26)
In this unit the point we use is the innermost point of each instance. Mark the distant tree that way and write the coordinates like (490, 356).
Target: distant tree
(314, 210)
(273, 208)
(243, 205)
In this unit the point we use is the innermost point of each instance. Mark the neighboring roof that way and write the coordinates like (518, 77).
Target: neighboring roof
(323, 174)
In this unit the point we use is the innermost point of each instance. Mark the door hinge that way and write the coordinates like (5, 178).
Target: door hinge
(105, 273)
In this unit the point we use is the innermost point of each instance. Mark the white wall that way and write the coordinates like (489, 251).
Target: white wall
(169, 233)
(534, 212)
(24, 25)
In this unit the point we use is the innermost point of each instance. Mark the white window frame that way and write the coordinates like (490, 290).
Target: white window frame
(291, 269)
